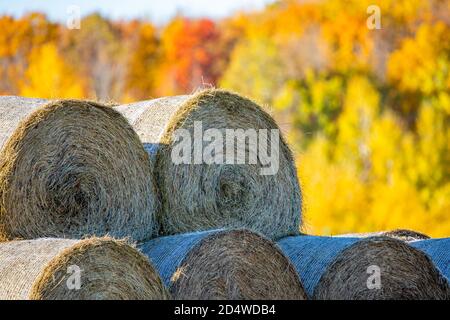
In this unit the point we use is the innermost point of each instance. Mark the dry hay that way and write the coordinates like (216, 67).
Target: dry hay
(206, 196)
(232, 264)
(311, 255)
(405, 235)
(405, 273)
(72, 168)
(400, 234)
(46, 269)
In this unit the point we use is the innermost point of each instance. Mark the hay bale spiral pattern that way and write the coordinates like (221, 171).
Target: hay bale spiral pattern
(311, 256)
(405, 273)
(198, 197)
(337, 268)
(110, 269)
(232, 264)
(72, 168)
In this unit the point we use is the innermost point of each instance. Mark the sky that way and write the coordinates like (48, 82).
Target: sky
(158, 11)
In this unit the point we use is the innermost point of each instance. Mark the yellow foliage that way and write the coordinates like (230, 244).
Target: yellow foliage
(335, 200)
(49, 77)
(397, 205)
(433, 149)
(360, 109)
(350, 38)
(387, 145)
(378, 176)
(422, 63)
(142, 62)
(438, 222)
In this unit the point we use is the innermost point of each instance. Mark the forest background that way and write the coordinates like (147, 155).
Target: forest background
(365, 103)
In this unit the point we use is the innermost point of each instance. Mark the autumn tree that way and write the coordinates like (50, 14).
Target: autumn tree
(95, 49)
(18, 37)
(189, 52)
(48, 76)
(252, 73)
(143, 62)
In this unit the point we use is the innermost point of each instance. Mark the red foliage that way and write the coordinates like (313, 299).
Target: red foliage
(190, 50)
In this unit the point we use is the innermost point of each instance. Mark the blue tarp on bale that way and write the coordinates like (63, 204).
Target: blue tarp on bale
(311, 255)
(167, 253)
(438, 250)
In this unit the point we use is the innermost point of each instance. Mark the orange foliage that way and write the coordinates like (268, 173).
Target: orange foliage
(143, 62)
(189, 51)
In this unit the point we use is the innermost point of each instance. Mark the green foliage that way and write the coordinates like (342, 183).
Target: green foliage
(255, 69)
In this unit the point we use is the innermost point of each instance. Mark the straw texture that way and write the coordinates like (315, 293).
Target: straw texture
(108, 269)
(405, 273)
(204, 196)
(311, 255)
(219, 264)
(337, 268)
(400, 234)
(72, 168)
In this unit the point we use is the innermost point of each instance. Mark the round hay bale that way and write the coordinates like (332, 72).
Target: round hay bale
(72, 168)
(400, 234)
(203, 194)
(311, 255)
(232, 264)
(63, 269)
(438, 250)
(382, 268)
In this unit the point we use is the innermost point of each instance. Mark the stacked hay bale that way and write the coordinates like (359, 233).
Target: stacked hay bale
(232, 264)
(437, 249)
(340, 268)
(311, 255)
(71, 168)
(62, 269)
(405, 273)
(200, 195)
